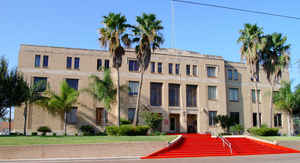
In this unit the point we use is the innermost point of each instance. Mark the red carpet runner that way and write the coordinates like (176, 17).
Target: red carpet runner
(196, 145)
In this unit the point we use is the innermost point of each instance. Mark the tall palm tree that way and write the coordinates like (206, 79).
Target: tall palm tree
(250, 37)
(275, 58)
(288, 101)
(114, 35)
(148, 38)
(61, 103)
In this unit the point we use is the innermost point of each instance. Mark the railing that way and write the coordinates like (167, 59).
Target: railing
(227, 143)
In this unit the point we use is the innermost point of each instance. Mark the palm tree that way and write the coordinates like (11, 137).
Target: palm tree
(61, 103)
(114, 35)
(288, 101)
(250, 37)
(148, 38)
(102, 90)
(275, 58)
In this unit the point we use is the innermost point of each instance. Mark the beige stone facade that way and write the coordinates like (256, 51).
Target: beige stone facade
(213, 84)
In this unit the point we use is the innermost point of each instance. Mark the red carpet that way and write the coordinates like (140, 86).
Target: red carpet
(196, 145)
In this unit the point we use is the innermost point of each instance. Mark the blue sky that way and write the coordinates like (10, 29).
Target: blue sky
(201, 29)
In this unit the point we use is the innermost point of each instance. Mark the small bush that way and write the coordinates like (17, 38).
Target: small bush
(237, 129)
(112, 130)
(127, 130)
(142, 130)
(263, 131)
(53, 134)
(87, 130)
(153, 120)
(34, 134)
(44, 130)
(124, 122)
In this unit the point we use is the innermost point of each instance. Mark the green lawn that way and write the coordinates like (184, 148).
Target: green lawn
(280, 138)
(30, 140)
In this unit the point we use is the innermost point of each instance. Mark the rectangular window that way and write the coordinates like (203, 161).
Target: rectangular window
(212, 92)
(233, 94)
(235, 117)
(170, 68)
(133, 88)
(106, 64)
(133, 65)
(211, 71)
(152, 66)
(229, 74)
(73, 83)
(131, 112)
(235, 75)
(76, 64)
(159, 67)
(101, 116)
(277, 120)
(254, 96)
(45, 61)
(42, 83)
(188, 70)
(212, 118)
(174, 94)
(177, 69)
(37, 61)
(191, 95)
(99, 64)
(254, 119)
(72, 116)
(195, 70)
(69, 63)
(155, 94)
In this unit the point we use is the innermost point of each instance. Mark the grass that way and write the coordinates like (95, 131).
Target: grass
(280, 138)
(32, 140)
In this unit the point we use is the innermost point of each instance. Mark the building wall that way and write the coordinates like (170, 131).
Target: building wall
(57, 72)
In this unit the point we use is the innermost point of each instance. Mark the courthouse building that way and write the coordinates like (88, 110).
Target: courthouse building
(187, 88)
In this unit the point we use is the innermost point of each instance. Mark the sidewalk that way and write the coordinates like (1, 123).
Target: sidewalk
(101, 150)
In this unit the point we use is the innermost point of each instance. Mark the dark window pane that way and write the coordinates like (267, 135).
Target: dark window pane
(69, 62)
(152, 66)
(99, 64)
(236, 117)
(174, 94)
(233, 94)
(212, 118)
(133, 88)
(45, 61)
(277, 120)
(73, 83)
(133, 65)
(72, 116)
(77, 61)
(255, 118)
(106, 64)
(177, 68)
(235, 75)
(170, 68)
(101, 116)
(188, 70)
(211, 71)
(195, 70)
(229, 74)
(131, 112)
(191, 95)
(159, 67)
(212, 92)
(37, 61)
(155, 94)
(41, 83)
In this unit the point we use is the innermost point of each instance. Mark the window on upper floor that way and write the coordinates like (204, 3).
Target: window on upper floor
(69, 63)
(191, 95)
(159, 67)
(73, 83)
(99, 64)
(195, 70)
(235, 75)
(211, 71)
(177, 69)
(133, 88)
(133, 65)
(277, 120)
(212, 92)
(235, 116)
(76, 62)
(101, 116)
(170, 68)
(253, 94)
(41, 83)
(45, 61)
(156, 94)
(234, 94)
(188, 70)
(106, 64)
(212, 118)
(37, 61)
(229, 74)
(174, 94)
(72, 116)
(153, 67)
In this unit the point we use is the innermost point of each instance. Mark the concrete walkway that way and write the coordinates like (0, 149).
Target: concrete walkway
(101, 150)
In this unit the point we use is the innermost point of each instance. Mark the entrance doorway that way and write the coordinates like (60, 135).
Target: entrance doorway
(174, 123)
(192, 123)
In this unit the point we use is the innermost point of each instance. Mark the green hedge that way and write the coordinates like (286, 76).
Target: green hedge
(127, 130)
(264, 131)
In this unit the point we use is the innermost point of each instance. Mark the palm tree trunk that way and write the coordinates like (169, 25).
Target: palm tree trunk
(65, 120)
(271, 104)
(9, 121)
(289, 124)
(25, 118)
(257, 106)
(135, 120)
(118, 97)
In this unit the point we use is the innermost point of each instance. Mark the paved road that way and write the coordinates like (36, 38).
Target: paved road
(283, 158)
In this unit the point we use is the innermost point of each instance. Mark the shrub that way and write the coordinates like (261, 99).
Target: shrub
(127, 130)
(237, 129)
(225, 121)
(124, 122)
(34, 134)
(87, 130)
(44, 130)
(141, 130)
(153, 120)
(265, 131)
(53, 134)
(112, 130)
